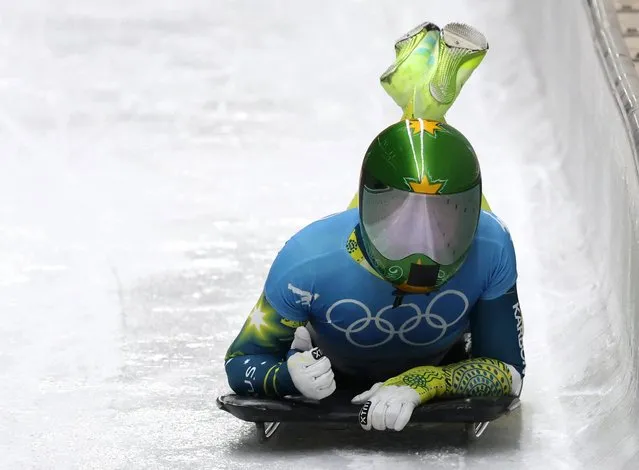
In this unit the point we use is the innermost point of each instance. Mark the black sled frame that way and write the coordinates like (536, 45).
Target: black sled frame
(267, 414)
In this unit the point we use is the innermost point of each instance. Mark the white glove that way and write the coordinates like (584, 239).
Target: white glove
(302, 340)
(310, 370)
(386, 406)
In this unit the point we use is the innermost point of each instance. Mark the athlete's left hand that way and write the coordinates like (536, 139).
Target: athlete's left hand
(386, 406)
(390, 404)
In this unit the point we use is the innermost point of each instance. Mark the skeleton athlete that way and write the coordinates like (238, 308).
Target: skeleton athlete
(381, 298)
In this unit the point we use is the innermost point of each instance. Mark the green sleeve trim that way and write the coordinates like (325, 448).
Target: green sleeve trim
(275, 381)
(266, 376)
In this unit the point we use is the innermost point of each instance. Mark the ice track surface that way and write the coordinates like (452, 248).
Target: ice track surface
(156, 155)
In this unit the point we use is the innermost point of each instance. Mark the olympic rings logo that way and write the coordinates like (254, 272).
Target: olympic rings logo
(433, 320)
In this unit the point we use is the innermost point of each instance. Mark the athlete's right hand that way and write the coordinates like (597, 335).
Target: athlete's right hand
(309, 368)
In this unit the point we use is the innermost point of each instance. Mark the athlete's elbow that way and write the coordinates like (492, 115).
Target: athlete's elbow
(236, 379)
(238, 387)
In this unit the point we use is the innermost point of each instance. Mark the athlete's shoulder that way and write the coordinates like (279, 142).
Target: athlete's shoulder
(496, 253)
(309, 257)
(492, 230)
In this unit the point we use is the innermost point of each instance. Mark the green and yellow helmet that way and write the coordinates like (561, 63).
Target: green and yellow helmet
(419, 203)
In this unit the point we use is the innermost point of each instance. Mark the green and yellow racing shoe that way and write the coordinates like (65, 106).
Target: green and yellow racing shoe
(431, 66)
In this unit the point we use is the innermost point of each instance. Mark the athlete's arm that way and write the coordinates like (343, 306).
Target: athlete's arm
(496, 322)
(255, 362)
(496, 370)
(497, 366)
(497, 332)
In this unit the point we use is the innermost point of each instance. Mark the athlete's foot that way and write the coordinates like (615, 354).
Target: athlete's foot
(431, 66)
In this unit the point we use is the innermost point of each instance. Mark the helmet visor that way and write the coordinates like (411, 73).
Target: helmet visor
(440, 226)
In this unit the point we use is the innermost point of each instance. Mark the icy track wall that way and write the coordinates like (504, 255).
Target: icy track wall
(592, 87)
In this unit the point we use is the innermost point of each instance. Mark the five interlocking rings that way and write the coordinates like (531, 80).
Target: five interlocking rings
(435, 321)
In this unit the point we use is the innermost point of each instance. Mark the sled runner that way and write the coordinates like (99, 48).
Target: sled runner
(267, 414)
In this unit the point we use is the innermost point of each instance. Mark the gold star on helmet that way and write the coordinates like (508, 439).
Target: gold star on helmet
(425, 186)
(428, 126)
